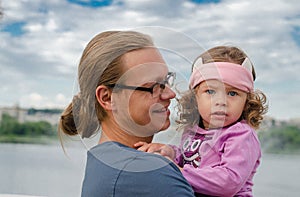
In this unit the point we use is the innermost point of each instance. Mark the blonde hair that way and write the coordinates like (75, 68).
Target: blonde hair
(101, 63)
(256, 102)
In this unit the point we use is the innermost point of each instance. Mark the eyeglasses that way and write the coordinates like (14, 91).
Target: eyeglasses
(156, 89)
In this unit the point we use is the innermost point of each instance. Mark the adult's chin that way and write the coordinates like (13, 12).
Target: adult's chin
(164, 126)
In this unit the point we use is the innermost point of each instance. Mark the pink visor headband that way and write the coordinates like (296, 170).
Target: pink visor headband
(238, 76)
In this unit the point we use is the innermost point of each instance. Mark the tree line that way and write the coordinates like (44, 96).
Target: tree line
(10, 126)
(277, 139)
(282, 139)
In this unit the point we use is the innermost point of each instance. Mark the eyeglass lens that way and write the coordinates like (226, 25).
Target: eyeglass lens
(159, 87)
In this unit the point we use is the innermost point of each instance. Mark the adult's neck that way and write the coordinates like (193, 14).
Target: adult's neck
(111, 131)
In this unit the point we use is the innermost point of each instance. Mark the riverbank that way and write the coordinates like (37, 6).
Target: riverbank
(17, 139)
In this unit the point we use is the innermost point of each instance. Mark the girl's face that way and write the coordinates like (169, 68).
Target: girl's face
(219, 104)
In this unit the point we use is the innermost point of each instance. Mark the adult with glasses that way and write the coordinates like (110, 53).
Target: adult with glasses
(124, 90)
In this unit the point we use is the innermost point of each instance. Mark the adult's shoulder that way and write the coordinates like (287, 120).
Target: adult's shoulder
(140, 173)
(118, 156)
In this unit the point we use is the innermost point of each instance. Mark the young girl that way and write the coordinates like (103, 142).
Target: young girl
(219, 151)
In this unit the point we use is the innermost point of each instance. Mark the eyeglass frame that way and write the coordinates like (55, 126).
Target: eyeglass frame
(162, 85)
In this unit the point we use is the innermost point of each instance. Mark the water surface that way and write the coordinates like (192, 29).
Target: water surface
(43, 170)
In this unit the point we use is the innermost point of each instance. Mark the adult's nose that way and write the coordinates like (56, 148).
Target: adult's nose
(167, 93)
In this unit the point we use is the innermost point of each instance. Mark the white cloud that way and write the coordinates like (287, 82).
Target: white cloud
(61, 99)
(57, 31)
(32, 100)
(37, 100)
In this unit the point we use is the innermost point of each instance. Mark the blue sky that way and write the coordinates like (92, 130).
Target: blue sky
(41, 42)
(92, 4)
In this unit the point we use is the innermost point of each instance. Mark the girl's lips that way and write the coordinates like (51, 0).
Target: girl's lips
(219, 113)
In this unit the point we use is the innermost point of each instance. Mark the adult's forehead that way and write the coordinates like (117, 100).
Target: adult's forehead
(144, 73)
(143, 55)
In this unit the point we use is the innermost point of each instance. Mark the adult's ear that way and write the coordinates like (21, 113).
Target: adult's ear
(103, 95)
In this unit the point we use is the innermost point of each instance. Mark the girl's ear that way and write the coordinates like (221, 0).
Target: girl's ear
(103, 95)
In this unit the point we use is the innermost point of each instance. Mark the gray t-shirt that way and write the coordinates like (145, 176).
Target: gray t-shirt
(115, 170)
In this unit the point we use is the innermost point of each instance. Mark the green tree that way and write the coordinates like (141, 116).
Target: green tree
(9, 125)
(285, 139)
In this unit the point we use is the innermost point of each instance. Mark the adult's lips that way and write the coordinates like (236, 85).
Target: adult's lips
(163, 110)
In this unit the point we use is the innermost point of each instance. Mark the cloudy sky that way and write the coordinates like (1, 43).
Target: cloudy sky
(41, 42)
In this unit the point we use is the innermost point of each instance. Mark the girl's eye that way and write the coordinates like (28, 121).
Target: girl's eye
(210, 91)
(232, 93)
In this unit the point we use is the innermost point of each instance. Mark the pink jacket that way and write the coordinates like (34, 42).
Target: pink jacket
(220, 162)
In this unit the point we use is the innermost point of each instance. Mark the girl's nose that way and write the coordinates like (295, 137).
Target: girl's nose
(220, 100)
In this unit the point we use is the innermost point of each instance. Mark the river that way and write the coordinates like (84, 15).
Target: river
(43, 170)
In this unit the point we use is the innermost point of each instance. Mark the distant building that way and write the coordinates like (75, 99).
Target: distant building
(270, 122)
(32, 115)
(295, 122)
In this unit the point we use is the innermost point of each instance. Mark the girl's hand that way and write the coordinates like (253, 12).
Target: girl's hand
(150, 148)
(159, 148)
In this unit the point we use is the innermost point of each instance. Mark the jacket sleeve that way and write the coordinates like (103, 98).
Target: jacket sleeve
(178, 155)
(178, 152)
(238, 152)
